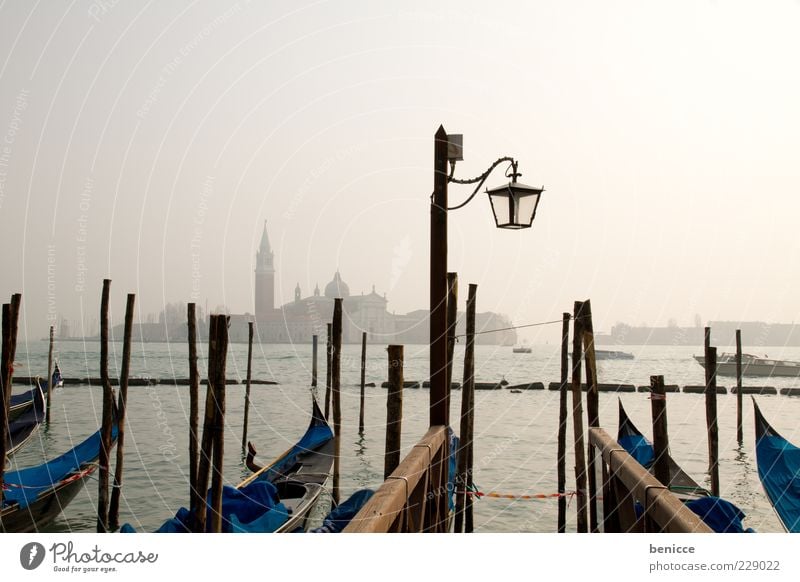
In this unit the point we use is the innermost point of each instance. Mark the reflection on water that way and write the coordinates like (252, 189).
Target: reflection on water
(515, 434)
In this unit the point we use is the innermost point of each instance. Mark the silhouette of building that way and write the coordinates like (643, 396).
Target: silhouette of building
(300, 319)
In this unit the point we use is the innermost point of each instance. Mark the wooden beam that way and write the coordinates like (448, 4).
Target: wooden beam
(562, 425)
(394, 411)
(113, 509)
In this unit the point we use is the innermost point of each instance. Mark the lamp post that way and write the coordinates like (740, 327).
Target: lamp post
(514, 207)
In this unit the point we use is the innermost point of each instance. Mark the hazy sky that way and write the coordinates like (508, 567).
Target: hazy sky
(148, 142)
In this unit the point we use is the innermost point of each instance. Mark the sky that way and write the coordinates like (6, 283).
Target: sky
(147, 142)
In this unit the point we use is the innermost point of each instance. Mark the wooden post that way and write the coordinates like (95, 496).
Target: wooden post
(463, 496)
(592, 407)
(394, 411)
(336, 373)
(439, 413)
(7, 365)
(452, 314)
(577, 419)
(113, 510)
(219, 352)
(314, 345)
(658, 407)
(711, 419)
(10, 327)
(196, 496)
(207, 443)
(49, 375)
(739, 433)
(363, 381)
(562, 425)
(328, 350)
(247, 388)
(108, 403)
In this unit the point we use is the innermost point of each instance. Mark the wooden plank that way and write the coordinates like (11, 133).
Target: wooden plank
(663, 507)
(388, 503)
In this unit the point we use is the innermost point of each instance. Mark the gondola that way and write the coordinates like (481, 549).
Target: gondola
(719, 514)
(21, 429)
(278, 497)
(778, 463)
(35, 496)
(24, 401)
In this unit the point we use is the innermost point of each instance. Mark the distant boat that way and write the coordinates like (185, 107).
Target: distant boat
(612, 355)
(522, 348)
(753, 366)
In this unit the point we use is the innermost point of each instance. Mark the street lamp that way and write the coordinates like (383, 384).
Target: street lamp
(514, 207)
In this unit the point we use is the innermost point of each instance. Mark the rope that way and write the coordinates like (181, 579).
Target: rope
(532, 496)
(520, 326)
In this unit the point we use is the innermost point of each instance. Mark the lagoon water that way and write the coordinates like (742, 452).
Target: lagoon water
(515, 449)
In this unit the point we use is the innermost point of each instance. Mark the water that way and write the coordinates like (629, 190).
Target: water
(515, 434)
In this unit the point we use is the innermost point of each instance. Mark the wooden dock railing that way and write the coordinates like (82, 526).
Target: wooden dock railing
(626, 482)
(414, 498)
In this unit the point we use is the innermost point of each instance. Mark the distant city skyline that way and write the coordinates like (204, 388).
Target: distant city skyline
(148, 144)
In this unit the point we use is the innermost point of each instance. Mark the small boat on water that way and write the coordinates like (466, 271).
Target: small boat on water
(753, 366)
(719, 514)
(612, 355)
(33, 497)
(278, 497)
(522, 348)
(778, 463)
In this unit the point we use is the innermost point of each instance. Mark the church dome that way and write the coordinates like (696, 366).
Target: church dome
(337, 288)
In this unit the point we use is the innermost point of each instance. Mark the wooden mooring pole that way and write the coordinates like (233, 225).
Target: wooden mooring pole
(739, 432)
(577, 420)
(217, 354)
(452, 314)
(328, 349)
(562, 425)
(200, 516)
(711, 419)
(394, 411)
(464, 479)
(9, 349)
(336, 393)
(247, 387)
(314, 350)
(196, 497)
(363, 381)
(49, 374)
(113, 509)
(658, 407)
(592, 407)
(107, 422)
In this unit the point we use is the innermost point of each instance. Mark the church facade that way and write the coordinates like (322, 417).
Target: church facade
(304, 317)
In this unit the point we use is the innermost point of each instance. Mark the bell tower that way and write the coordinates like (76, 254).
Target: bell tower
(265, 278)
